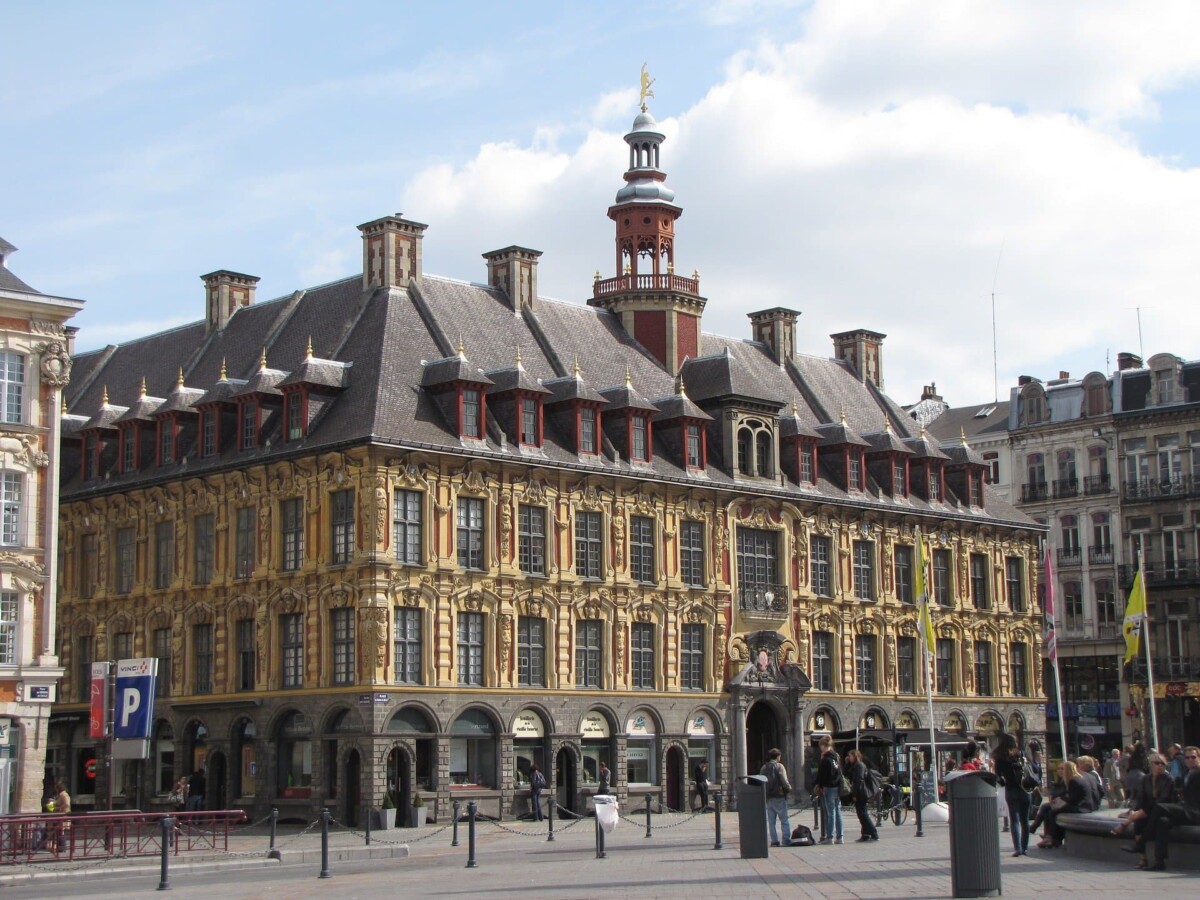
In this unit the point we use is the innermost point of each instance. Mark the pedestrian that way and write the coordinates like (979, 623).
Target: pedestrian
(196, 786)
(537, 784)
(1039, 774)
(857, 770)
(778, 788)
(57, 832)
(700, 776)
(829, 789)
(970, 760)
(605, 780)
(1112, 779)
(1175, 764)
(1009, 767)
(1167, 815)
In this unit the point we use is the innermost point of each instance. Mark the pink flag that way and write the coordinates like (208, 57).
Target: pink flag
(1051, 638)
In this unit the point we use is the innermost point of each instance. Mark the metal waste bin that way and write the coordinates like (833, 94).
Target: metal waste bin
(974, 834)
(752, 816)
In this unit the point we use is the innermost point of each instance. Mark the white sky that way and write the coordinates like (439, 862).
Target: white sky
(872, 164)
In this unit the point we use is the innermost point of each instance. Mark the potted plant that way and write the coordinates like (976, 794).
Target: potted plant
(387, 811)
(418, 810)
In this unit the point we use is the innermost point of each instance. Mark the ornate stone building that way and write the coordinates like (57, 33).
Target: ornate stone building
(400, 532)
(35, 365)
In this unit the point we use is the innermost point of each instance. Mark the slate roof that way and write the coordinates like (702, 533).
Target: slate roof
(956, 420)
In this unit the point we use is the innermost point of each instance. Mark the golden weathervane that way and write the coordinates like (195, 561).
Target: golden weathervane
(646, 91)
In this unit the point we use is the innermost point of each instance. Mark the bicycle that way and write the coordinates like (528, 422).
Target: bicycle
(889, 803)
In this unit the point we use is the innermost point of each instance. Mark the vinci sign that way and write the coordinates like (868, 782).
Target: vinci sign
(135, 698)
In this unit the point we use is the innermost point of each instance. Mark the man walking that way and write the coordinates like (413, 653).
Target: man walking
(778, 788)
(196, 787)
(537, 784)
(829, 789)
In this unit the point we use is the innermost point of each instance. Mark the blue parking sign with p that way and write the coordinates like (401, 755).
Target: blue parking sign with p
(135, 698)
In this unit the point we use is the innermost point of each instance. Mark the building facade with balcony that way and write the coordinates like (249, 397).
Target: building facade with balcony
(406, 533)
(1157, 424)
(35, 366)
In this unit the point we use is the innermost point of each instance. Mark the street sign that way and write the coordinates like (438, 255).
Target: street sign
(1092, 729)
(98, 720)
(135, 697)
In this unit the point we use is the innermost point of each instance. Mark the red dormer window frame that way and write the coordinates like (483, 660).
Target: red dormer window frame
(522, 399)
(811, 448)
(629, 432)
(167, 421)
(701, 432)
(580, 408)
(295, 399)
(975, 488)
(462, 412)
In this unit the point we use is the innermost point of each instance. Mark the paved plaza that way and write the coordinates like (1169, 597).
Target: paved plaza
(515, 859)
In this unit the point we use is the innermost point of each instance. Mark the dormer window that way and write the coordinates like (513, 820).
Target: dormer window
(294, 416)
(90, 452)
(762, 453)
(639, 438)
(854, 472)
(208, 433)
(129, 437)
(900, 478)
(530, 430)
(166, 440)
(808, 468)
(248, 431)
(935, 484)
(471, 409)
(975, 489)
(695, 447)
(587, 430)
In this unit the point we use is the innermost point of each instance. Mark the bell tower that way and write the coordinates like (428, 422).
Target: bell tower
(660, 309)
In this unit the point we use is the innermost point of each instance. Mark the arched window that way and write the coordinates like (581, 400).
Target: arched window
(294, 756)
(473, 750)
(762, 448)
(745, 444)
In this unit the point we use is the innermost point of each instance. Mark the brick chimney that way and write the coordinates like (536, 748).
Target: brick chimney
(777, 329)
(225, 293)
(391, 252)
(514, 271)
(929, 392)
(863, 350)
(1128, 361)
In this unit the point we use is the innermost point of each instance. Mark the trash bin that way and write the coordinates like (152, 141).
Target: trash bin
(607, 811)
(974, 834)
(752, 816)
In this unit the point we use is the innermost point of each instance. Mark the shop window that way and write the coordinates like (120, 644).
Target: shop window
(473, 750)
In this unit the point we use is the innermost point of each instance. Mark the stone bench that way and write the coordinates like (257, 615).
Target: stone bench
(1089, 836)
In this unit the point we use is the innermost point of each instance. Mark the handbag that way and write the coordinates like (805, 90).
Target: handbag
(1058, 803)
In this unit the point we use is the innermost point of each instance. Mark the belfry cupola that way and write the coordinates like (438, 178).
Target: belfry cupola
(659, 308)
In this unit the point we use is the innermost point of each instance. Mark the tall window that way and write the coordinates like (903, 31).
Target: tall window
(864, 570)
(900, 478)
(904, 573)
(588, 636)
(993, 463)
(12, 387)
(11, 502)
(291, 640)
(588, 544)
(854, 470)
(166, 440)
(695, 456)
(807, 475)
(208, 432)
(343, 526)
(587, 430)
(983, 668)
(245, 541)
(161, 643)
(246, 657)
(757, 569)
(864, 662)
(203, 548)
(1017, 657)
(531, 652)
(202, 659)
(9, 607)
(407, 645)
(639, 437)
(471, 413)
(249, 425)
(820, 549)
(406, 527)
(1073, 605)
(935, 482)
(126, 559)
(529, 421)
(470, 648)
(906, 652)
(164, 554)
(85, 655)
(1014, 583)
(691, 663)
(945, 666)
(641, 548)
(470, 533)
(1106, 604)
(291, 516)
(295, 416)
(641, 663)
(122, 645)
(342, 621)
(942, 575)
(822, 661)
(89, 565)
(531, 539)
(129, 438)
(691, 553)
(979, 581)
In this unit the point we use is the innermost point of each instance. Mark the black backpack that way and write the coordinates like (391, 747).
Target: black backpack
(872, 782)
(802, 836)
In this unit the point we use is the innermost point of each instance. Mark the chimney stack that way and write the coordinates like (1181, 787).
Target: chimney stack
(929, 392)
(777, 329)
(391, 252)
(514, 271)
(1128, 361)
(225, 293)
(863, 350)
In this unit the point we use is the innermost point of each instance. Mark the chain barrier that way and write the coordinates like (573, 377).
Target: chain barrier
(641, 822)
(376, 839)
(573, 815)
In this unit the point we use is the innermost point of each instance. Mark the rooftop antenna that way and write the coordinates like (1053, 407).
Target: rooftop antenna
(995, 354)
(1138, 309)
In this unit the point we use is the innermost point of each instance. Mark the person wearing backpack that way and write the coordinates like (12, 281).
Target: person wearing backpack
(829, 789)
(537, 784)
(860, 789)
(778, 788)
(1018, 779)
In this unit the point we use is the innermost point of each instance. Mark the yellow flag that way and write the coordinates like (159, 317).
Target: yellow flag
(1135, 611)
(919, 585)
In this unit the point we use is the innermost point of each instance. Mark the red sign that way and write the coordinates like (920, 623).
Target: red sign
(98, 720)
(90, 767)
(1177, 689)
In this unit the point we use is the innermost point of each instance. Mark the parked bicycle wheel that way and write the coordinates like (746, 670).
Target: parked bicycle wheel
(899, 813)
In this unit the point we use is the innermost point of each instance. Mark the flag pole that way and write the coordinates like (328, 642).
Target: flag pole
(927, 621)
(1052, 650)
(1149, 661)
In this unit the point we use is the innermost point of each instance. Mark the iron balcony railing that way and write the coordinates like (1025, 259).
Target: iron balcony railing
(1157, 574)
(1077, 630)
(1069, 556)
(1033, 491)
(1100, 553)
(1156, 488)
(767, 599)
(1166, 668)
(1066, 487)
(1097, 484)
(622, 284)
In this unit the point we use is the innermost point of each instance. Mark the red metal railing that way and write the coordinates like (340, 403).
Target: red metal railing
(44, 838)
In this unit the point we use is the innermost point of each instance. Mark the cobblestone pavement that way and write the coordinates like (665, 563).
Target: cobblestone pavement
(514, 858)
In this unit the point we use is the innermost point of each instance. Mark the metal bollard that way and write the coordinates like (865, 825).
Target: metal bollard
(717, 799)
(367, 818)
(1006, 824)
(272, 853)
(551, 809)
(471, 810)
(454, 842)
(648, 799)
(325, 873)
(917, 807)
(600, 854)
(164, 879)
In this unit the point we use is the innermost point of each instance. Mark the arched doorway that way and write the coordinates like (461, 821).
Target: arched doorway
(565, 785)
(352, 773)
(676, 774)
(399, 782)
(217, 781)
(762, 733)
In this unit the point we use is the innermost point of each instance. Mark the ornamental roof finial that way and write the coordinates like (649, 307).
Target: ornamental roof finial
(262, 360)
(224, 374)
(179, 380)
(143, 391)
(104, 396)
(646, 91)
(308, 354)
